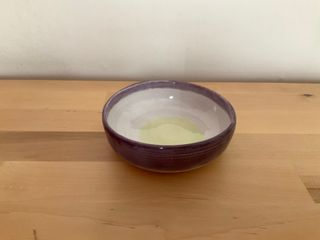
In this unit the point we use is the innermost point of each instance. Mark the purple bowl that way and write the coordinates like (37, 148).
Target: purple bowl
(168, 126)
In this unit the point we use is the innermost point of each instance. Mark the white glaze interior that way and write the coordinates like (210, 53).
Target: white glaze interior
(132, 112)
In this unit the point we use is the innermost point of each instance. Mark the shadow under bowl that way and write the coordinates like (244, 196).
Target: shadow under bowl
(168, 126)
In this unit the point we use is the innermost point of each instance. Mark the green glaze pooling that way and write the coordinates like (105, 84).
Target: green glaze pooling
(170, 131)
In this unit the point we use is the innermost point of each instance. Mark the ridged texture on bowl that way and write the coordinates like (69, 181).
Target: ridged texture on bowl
(170, 158)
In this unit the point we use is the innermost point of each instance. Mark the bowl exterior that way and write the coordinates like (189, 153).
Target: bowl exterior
(170, 159)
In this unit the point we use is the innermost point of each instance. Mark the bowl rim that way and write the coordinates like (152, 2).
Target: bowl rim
(144, 85)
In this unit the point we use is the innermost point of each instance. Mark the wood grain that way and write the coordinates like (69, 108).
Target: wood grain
(59, 179)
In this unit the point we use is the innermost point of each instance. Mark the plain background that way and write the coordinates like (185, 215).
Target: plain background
(267, 40)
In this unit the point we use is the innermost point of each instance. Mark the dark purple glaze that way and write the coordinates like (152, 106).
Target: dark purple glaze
(169, 158)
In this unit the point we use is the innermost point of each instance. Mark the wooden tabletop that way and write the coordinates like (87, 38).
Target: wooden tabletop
(59, 178)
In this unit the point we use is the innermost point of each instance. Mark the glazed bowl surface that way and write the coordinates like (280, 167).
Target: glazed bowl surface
(168, 126)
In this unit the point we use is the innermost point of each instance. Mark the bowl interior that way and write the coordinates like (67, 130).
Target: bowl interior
(167, 116)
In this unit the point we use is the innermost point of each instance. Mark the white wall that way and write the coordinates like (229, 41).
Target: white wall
(176, 39)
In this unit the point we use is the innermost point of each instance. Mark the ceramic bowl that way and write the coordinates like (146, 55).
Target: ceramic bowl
(168, 126)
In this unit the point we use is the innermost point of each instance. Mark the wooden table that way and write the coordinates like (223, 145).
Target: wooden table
(59, 179)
